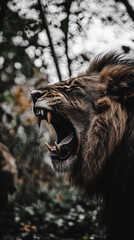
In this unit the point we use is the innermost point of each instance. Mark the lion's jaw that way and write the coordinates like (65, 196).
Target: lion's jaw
(69, 122)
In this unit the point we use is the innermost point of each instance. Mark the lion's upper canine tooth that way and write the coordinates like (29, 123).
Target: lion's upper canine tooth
(49, 117)
(42, 112)
(39, 120)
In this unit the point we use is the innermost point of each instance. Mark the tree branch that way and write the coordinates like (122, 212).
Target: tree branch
(44, 21)
(67, 7)
(128, 7)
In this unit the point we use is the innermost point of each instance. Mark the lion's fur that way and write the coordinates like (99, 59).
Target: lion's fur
(101, 143)
(100, 104)
(106, 166)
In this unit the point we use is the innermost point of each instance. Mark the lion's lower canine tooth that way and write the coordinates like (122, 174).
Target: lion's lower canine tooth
(49, 147)
(39, 120)
(49, 117)
(57, 148)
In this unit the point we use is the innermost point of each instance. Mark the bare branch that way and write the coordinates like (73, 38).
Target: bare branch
(67, 6)
(128, 7)
(44, 21)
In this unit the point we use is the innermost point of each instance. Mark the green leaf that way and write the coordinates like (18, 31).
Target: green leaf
(85, 238)
(7, 96)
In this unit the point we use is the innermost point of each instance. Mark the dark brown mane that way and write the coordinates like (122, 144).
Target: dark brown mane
(111, 58)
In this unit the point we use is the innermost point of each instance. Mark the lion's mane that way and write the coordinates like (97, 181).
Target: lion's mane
(106, 165)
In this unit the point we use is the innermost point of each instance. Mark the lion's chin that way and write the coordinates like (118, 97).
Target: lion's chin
(63, 166)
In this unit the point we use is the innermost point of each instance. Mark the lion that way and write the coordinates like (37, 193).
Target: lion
(93, 116)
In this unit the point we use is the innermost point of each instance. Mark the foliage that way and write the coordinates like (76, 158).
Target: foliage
(56, 214)
(24, 43)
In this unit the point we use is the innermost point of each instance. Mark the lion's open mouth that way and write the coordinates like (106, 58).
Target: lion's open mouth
(65, 131)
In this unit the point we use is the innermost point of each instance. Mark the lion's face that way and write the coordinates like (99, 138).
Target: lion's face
(68, 107)
(88, 114)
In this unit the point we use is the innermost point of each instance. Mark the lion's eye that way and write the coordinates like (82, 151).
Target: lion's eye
(75, 82)
(72, 85)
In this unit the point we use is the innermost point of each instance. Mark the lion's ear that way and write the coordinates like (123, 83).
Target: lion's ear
(118, 81)
(105, 133)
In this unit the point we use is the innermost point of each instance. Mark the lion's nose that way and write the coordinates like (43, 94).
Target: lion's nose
(35, 95)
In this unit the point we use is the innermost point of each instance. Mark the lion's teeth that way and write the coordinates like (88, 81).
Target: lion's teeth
(49, 147)
(57, 148)
(39, 120)
(42, 112)
(49, 117)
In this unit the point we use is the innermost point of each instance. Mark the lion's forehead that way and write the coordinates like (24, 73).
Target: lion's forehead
(66, 86)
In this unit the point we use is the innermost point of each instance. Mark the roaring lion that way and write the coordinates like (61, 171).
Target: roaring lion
(93, 116)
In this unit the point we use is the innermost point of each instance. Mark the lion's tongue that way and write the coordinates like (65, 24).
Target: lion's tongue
(66, 140)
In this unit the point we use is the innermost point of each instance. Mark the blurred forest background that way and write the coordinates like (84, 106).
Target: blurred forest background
(43, 42)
